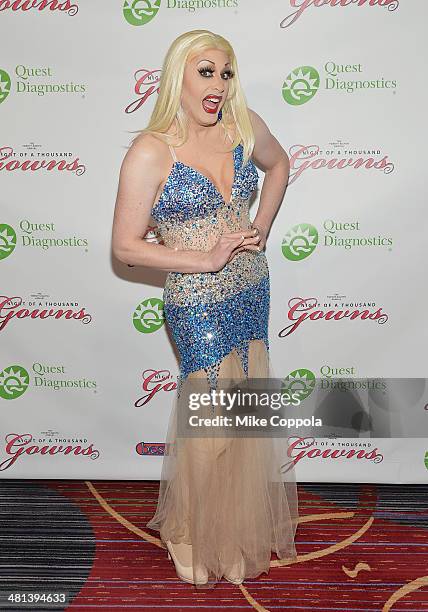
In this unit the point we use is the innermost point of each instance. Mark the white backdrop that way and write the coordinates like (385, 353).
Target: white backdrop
(88, 372)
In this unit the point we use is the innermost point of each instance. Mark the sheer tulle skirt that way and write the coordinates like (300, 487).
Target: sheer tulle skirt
(228, 496)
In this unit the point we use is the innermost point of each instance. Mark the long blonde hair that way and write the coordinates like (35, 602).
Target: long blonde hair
(168, 106)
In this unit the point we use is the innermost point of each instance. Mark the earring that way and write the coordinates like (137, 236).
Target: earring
(220, 115)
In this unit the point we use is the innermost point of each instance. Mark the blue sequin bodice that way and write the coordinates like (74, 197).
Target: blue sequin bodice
(189, 200)
(210, 313)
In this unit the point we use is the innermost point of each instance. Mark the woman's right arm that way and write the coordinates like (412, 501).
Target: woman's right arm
(139, 180)
(140, 176)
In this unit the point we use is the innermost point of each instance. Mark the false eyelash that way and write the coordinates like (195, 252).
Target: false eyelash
(211, 70)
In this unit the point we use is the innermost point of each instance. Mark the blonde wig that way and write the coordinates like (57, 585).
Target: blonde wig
(168, 104)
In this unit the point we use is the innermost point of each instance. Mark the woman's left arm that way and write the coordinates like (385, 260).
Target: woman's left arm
(274, 161)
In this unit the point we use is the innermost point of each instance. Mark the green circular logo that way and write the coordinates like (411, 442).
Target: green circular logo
(299, 242)
(301, 382)
(301, 85)
(7, 240)
(4, 85)
(426, 460)
(14, 381)
(140, 12)
(148, 317)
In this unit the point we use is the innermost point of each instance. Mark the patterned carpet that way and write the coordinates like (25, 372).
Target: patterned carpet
(362, 547)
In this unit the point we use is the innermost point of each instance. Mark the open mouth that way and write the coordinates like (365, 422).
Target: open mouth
(210, 104)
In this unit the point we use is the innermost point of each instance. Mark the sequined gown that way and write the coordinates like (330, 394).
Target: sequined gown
(226, 497)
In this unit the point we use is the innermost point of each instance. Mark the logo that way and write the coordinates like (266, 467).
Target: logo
(306, 448)
(33, 159)
(309, 309)
(303, 5)
(39, 308)
(67, 8)
(153, 382)
(140, 12)
(14, 381)
(49, 445)
(7, 240)
(148, 317)
(336, 157)
(40, 80)
(301, 85)
(150, 448)
(146, 85)
(299, 242)
(299, 381)
(36, 235)
(4, 85)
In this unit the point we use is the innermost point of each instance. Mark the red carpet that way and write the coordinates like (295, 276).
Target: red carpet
(362, 547)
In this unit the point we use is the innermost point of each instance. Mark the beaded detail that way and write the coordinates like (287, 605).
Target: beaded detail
(211, 313)
(189, 194)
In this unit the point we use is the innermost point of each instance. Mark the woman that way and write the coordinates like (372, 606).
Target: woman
(224, 503)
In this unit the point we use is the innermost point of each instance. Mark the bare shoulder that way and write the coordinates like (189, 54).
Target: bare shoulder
(142, 174)
(261, 130)
(267, 150)
(147, 156)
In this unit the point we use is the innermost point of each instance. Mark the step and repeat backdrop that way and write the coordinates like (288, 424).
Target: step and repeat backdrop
(88, 370)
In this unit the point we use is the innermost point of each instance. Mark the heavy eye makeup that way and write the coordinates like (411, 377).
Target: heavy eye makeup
(211, 71)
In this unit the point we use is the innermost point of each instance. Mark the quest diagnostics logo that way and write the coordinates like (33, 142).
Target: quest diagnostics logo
(302, 239)
(303, 82)
(7, 240)
(140, 12)
(4, 85)
(301, 85)
(38, 235)
(14, 381)
(299, 242)
(301, 382)
(148, 317)
(39, 81)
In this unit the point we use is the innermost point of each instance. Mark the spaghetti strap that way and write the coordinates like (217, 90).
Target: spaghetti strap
(222, 124)
(172, 151)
